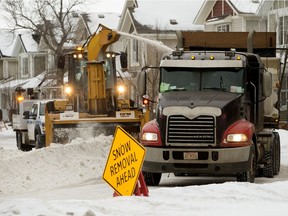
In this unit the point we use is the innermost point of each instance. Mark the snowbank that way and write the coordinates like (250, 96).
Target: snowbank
(53, 167)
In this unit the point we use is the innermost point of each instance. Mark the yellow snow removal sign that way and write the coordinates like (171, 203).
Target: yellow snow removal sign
(124, 163)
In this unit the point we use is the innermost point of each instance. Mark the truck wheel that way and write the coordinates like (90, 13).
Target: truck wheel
(277, 153)
(39, 143)
(20, 145)
(19, 140)
(152, 179)
(249, 176)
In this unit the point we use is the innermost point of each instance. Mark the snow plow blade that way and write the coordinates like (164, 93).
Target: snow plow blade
(64, 131)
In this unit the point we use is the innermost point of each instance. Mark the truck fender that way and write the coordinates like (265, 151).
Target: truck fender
(239, 127)
(151, 127)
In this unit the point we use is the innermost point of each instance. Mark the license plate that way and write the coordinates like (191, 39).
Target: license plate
(190, 155)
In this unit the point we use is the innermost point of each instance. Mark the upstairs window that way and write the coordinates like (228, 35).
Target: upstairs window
(24, 66)
(223, 28)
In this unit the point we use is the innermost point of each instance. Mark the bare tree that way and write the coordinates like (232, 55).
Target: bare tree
(51, 20)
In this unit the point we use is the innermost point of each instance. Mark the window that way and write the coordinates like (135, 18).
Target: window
(223, 28)
(135, 51)
(201, 79)
(283, 30)
(24, 66)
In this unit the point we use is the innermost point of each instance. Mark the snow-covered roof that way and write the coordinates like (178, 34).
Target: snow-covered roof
(29, 43)
(6, 42)
(13, 83)
(35, 81)
(247, 6)
(167, 14)
(110, 20)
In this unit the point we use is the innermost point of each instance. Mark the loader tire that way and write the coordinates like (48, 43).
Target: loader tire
(249, 175)
(277, 153)
(152, 179)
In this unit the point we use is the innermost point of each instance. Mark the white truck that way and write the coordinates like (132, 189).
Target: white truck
(29, 124)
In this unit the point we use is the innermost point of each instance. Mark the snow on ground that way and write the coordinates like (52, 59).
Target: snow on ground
(66, 180)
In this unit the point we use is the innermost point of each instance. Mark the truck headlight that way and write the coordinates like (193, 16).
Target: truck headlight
(237, 138)
(149, 136)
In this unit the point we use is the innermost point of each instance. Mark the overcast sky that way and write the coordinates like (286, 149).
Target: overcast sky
(88, 7)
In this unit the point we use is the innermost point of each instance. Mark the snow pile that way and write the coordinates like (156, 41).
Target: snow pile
(53, 167)
(64, 180)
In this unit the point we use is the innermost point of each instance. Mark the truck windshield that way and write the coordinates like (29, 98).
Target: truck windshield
(42, 109)
(201, 79)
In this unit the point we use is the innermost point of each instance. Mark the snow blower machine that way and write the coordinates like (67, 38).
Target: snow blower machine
(95, 107)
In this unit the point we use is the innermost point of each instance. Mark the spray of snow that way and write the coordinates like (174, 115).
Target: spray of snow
(155, 43)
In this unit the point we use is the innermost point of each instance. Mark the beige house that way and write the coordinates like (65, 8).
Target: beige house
(20, 63)
(234, 15)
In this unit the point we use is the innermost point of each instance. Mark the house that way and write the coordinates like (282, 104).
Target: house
(234, 15)
(245, 16)
(278, 22)
(20, 61)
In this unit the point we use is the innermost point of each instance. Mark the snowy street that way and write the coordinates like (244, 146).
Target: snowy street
(67, 180)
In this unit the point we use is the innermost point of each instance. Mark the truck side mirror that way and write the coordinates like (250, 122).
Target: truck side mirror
(26, 114)
(267, 84)
(141, 82)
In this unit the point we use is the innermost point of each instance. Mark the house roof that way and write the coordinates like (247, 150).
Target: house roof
(165, 15)
(29, 43)
(92, 20)
(253, 7)
(246, 6)
(6, 42)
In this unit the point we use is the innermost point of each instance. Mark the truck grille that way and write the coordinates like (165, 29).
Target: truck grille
(199, 130)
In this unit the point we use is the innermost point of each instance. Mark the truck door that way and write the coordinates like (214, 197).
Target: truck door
(33, 115)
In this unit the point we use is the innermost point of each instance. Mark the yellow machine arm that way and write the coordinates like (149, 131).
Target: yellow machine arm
(99, 41)
(96, 47)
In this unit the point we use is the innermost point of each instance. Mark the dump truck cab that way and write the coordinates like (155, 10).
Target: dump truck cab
(210, 116)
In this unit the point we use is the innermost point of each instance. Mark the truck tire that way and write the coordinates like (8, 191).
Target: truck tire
(19, 140)
(39, 141)
(152, 179)
(277, 153)
(20, 145)
(249, 176)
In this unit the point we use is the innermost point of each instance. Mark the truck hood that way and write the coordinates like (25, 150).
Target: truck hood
(197, 98)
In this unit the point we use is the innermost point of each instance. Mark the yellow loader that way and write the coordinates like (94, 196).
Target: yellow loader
(62, 124)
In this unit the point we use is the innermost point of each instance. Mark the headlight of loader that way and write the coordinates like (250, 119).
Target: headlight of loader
(149, 136)
(237, 138)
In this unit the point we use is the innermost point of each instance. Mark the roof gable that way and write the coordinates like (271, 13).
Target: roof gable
(24, 42)
(253, 7)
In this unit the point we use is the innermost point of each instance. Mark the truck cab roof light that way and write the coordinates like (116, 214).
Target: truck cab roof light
(230, 53)
(192, 57)
(178, 52)
(238, 57)
(211, 57)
